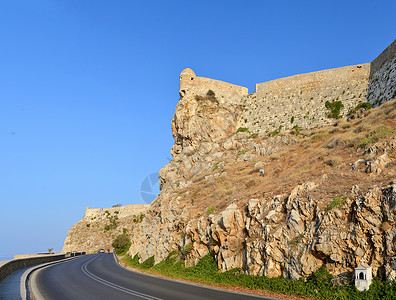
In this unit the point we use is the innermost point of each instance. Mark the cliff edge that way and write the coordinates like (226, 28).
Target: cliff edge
(299, 174)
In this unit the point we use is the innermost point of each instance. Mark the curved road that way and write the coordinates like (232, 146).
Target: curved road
(98, 276)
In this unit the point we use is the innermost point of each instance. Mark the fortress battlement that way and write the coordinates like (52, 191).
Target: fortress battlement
(300, 100)
(126, 210)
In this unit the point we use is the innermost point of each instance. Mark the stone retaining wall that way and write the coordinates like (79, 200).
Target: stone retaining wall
(16, 264)
(382, 82)
(300, 99)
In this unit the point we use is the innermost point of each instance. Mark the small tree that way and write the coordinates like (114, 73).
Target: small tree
(121, 244)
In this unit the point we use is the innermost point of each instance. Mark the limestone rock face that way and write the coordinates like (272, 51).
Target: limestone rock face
(96, 230)
(201, 118)
(273, 204)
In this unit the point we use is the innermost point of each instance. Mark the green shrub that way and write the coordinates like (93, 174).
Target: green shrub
(121, 244)
(365, 105)
(335, 108)
(138, 219)
(148, 263)
(242, 129)
(210, 210)
(375, 135)
(240, 152)
(297, 129)
(216, 165)
(133, 261)
(320, 278)
(210, 94)
(277, 131)
(186, 250)
(337, 202)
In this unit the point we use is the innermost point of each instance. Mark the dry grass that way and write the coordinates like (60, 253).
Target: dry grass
(318, 152)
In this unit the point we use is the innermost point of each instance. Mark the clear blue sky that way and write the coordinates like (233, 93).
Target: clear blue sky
(88, 89)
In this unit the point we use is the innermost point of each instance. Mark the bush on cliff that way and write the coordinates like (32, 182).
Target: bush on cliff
(121, 244)
(335, 108)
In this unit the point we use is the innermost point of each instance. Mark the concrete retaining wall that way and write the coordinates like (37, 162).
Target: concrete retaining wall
(10, 266)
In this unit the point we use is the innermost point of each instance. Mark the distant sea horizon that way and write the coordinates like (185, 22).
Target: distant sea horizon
(6, 257)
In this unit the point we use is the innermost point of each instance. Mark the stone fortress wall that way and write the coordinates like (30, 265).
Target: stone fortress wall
(303, 97)
(382, 86)
(191, 85)
(300, 99)
(123, 211)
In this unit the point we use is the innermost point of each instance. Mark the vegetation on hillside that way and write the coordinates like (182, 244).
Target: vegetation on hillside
(334, 108)
(121, 244)
(319, 285)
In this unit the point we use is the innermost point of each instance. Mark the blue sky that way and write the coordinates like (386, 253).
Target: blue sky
(88, 89)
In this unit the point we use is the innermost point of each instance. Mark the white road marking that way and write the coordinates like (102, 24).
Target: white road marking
(113, 285)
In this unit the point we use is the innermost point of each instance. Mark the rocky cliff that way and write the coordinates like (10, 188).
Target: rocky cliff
(276, 204)
(327, 196)
(98, 228)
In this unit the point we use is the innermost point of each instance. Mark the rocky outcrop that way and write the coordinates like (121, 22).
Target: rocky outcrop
(273, 204)
(290, 234)
(97, 229)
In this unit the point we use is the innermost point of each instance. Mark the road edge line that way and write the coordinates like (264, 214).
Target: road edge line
(25, 276)
(198, 285)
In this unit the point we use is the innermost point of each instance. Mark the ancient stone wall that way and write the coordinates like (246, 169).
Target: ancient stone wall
(191, 85)
(382, 82)
(98, 227)
(300, 99)
(123, 211)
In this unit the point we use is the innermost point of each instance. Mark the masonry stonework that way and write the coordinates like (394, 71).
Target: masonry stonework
(191, 85)
(300, 100)
(382, 86)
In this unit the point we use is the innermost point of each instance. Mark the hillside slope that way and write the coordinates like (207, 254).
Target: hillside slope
(273, 202)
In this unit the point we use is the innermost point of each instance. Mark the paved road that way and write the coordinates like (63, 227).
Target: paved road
(98, 276)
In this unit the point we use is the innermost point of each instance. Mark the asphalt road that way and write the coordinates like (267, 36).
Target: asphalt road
(99, 276)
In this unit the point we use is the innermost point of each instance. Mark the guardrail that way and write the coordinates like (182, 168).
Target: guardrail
(16, 264)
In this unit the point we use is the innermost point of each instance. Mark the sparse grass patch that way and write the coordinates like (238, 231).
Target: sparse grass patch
(242, 129)
(333, 161)
(210, 210)
(198, 178)
(294, 242)
(297, 129)
(365, 105)
(360, 128)
(216, 165)
(277, 131)
(331, 143)
(343, 124)
(319, 136)
(253, 136)
(375, 135)
(139, 219)
(337, 202)
(240, 152)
